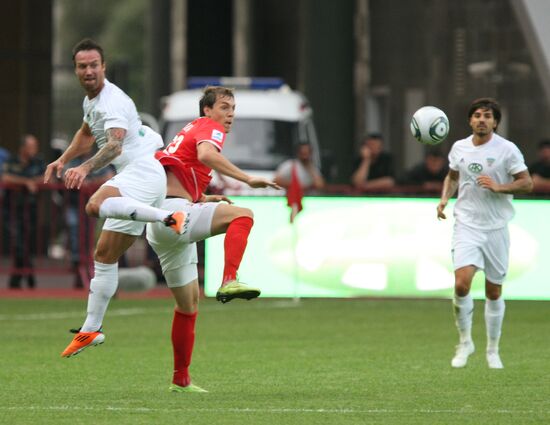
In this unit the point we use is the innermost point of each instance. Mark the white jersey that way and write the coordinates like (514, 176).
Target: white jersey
(112, 108)
(499, 159)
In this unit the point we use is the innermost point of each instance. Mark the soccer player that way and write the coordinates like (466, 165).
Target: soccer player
(188, 161)
(487, 169)
(126, 200)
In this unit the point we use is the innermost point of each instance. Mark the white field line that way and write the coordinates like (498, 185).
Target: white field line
(268, 410)
(143, 311)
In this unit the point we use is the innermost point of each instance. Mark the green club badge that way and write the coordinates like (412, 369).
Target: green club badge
(476, 168)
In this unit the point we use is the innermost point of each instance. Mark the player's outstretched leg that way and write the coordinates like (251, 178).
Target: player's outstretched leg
(236, 238)
(125, 208)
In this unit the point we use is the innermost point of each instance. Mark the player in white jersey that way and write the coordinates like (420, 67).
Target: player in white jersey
(129, 199)
(487, 170)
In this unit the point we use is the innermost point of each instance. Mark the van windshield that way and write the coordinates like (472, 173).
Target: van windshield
(259, 144)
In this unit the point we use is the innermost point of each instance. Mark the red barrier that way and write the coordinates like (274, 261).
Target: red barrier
(46, 233)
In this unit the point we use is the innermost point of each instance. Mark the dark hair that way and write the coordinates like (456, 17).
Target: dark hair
(485, 103)
(373, 136)
(210, 95)
(433, 151)
(87, 44)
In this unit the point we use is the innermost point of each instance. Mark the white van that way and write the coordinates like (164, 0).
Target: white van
(270, 120)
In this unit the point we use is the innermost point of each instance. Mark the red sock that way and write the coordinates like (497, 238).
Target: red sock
(183, 339)
(234, 245)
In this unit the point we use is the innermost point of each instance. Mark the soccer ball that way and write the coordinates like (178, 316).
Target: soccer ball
(429, 125)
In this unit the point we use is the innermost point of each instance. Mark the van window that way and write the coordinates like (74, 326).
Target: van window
(258, 144)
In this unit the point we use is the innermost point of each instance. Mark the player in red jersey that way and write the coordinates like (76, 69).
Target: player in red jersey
(188, 161)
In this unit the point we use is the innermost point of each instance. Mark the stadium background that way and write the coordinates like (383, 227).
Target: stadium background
(364, 65)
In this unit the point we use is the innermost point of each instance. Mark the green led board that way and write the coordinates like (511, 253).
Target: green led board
(375, 247)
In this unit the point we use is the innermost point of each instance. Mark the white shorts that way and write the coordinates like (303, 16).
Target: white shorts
(144, 181)
(486, 250)
(178, 253)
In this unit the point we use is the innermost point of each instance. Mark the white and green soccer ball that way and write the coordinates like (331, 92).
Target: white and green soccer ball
(430, 125)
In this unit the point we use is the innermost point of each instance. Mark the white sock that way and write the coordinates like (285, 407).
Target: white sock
(125, 208)
(494, 315)
(102, 287)
(464, 311)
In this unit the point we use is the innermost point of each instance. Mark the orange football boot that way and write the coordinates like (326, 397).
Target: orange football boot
(81, 341)
(177, 221)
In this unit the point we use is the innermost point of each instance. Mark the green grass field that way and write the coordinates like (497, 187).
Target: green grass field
(273, 362)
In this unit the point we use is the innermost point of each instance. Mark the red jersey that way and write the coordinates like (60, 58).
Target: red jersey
(181, 158)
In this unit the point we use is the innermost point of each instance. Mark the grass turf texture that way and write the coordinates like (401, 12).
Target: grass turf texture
(273, 362)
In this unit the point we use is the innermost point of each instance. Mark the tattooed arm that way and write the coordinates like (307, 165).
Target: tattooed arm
(74, 177)
(111, 149)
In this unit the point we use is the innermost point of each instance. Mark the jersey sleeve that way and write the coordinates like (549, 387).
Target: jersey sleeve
(116, 113)
(212, 133)
(453, 159)
(516, 162)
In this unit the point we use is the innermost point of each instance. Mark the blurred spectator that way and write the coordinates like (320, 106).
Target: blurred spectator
(540, 170)
(24, 169)
(4, 156)
(430, 173)
(308, 174)
(374, 169)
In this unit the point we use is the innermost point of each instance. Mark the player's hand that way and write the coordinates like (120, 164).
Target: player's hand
(74, 177)
(488, 183)
(440, 214)
(259, 182)
(56, 168)
(216, 198)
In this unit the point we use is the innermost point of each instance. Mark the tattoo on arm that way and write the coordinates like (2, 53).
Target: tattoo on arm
(112, 149)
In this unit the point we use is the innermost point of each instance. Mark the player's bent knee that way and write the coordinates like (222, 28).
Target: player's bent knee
(462, 289)
(92, 208)
(247, 213)
(494, 292)
(184, 284)
(238, 212)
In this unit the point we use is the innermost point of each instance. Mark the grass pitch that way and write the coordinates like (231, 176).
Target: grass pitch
(273, 362)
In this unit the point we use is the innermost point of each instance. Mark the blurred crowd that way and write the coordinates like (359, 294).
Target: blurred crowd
(374, 171)
(21, 172)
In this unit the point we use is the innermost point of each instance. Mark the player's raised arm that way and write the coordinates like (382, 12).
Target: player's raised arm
(211, 157)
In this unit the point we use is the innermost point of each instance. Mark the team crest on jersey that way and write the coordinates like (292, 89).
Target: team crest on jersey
(490, 161)
(474, 167)
(217, 135)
